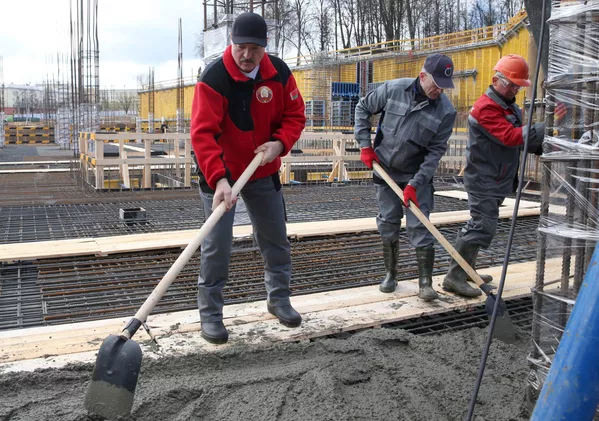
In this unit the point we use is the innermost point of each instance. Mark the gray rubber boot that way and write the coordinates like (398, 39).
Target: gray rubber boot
(390, 252)
(455, 280)
(425, 256)
(486, 278)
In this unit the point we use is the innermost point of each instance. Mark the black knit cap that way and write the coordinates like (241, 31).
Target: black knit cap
(249, 28)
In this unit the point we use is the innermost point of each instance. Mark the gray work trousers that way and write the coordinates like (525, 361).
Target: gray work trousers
(265, 207)
(484, 214)
(391, 208)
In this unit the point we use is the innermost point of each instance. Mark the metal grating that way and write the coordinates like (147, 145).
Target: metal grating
(19, 224)
(90, 288)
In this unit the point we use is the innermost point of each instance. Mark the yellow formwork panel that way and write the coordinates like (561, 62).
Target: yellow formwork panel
(115, 184)
(165, 103)
(385, 69)
(347, 73)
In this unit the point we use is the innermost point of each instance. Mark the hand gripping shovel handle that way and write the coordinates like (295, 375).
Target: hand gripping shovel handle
(142, 314)
(433, 230)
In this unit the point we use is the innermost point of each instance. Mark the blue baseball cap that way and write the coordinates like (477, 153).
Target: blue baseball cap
(440, 67)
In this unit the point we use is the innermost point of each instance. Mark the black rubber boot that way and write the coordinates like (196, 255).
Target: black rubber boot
(214, 332)
(425, 256)
(455, 280)
(486, 278)
(286, 314)
(390, 252)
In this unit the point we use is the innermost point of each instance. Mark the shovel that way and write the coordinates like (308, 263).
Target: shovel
(504, 329)
(112, 387)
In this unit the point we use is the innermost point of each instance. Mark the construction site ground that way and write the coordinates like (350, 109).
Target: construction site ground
(359, 354)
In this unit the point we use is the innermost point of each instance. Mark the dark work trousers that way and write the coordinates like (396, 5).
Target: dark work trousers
(484, 213)
(266, 209)
(391, 210)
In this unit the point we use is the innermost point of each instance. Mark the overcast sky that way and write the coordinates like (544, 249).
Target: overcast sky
(133, 35)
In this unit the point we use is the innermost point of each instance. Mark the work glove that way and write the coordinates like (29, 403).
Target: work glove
(409, 194)
(560, 111)
(367, 156)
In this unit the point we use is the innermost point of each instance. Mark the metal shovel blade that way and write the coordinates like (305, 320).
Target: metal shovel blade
(503, 329)
(112, 387)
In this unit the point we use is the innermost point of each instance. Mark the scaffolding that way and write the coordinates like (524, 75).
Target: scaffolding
(568, 231)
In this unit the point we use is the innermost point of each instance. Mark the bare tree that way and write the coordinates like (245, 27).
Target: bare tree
(485, 13)
(325, 25)
(105, 103)
(300, 11)
(127, 100)
(26, 101)
(346, 21)
(391, 16)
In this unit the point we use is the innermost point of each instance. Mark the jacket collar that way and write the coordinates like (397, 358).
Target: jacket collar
(418, 93)
(498, 98)
(267, 70)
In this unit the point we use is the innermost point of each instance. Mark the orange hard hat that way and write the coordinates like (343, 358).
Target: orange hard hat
(514, 68)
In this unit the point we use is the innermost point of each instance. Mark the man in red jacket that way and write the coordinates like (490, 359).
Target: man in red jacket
(245, 102)
(496, 134)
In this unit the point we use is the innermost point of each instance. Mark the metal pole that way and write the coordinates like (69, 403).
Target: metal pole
(571, 391)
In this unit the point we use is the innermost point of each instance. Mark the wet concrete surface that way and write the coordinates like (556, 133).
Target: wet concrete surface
(378, 374)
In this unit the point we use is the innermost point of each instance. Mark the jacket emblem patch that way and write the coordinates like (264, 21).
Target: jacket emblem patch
(264, 94)
(294, 94)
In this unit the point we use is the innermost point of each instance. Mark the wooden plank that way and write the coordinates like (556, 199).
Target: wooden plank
(508, 201)
(56, 340)
(139, 242)
(187, 163)
(59, 248)
(177, 165)
(99, 170)
(124, 167)
(324, 313)
(147, 172)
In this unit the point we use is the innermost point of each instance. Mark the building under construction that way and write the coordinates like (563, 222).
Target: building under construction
(332, 82)
(85, 240)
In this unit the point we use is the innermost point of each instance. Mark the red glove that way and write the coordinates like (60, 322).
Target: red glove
(409, 194)
(560, 111)
(367, 156)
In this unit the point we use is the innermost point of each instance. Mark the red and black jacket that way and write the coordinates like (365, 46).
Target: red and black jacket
(495, 139)
(232, 115)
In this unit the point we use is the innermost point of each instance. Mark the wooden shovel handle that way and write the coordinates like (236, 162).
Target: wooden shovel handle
(193, 245)
(428, 224)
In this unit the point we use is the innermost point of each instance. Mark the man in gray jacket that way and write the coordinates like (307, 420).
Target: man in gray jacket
(415, 125)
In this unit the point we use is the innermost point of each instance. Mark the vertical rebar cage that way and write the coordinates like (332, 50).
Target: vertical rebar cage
(570, 178)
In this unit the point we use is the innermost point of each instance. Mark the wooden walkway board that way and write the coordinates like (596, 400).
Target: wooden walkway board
(324, 314)
(104, 246)
(509, 202)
